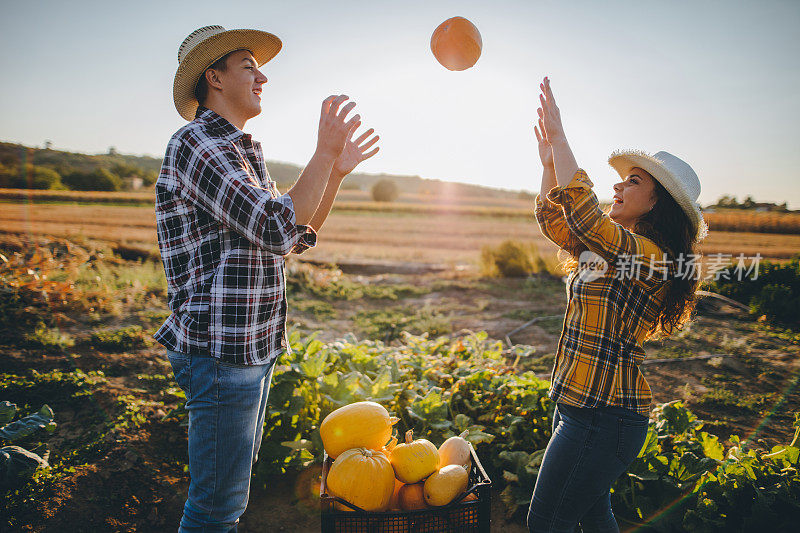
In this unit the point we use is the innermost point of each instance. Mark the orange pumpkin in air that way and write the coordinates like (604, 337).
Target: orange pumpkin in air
(456, 44)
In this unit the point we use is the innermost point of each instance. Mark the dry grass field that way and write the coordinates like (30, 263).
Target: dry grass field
(414, 229)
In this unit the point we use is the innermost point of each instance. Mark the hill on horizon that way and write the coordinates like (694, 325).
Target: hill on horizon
(285, 174)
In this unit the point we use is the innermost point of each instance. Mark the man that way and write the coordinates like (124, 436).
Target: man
(223, 232)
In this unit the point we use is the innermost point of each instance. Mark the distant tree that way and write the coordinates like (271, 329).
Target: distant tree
(99, 179)
(124, 170)
(149, 177)
(8, 176)
(748, 203)
(34, 177)
(727, 201)
(45, 178)
(112, 150)
(385, 191)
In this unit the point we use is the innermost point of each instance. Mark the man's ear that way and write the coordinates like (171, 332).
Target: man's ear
(212, 79)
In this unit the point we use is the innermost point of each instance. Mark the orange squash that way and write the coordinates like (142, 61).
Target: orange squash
(357, 425)
(412, 497)
(414, 460)
(456, 43)
(362, 477)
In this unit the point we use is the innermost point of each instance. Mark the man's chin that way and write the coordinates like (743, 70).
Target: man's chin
(254, 111)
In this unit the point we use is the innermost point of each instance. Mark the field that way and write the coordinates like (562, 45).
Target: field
(416, 229)
(118, 454)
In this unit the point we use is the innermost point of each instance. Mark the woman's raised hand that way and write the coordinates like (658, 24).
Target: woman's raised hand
(549, 114)
(552, 133)
(545, 150)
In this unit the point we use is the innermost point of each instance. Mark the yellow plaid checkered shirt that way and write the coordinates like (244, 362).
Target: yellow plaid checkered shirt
(608, 316)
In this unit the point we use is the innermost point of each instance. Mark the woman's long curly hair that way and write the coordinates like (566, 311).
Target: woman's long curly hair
(670, 228)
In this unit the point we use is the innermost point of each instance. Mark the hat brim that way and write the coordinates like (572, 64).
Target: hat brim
(624, 160)
(263, 45)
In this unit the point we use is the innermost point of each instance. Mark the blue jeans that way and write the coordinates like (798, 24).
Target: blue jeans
(226, 404)
(590, 448)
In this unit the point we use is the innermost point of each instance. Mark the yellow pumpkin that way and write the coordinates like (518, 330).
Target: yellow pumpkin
(357, 425)
(414, 460)
(455, 451)
(412, 497)
(443, 486)
(362, 477)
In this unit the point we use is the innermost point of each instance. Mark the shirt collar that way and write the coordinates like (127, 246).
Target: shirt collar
(220, 125)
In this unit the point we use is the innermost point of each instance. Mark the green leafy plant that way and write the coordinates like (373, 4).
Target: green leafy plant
(389, 324)
(775, 291)
(18, 464)
(120, 340)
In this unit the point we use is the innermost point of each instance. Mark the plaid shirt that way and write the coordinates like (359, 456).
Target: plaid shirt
(607, 318)
(223, 230)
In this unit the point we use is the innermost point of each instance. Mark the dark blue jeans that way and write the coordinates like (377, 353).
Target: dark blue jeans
(226, 404)
(590, 448)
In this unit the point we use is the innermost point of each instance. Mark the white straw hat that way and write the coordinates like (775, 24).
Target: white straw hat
(206, 45)
(674, 174)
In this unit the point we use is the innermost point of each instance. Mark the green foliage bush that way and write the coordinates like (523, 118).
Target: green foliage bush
(385, 191)
(389, 324)
(46, 337)
(34, 177)
(99, 179)
(775, 292)
(511, 259)
(120, 340)
(705, 487)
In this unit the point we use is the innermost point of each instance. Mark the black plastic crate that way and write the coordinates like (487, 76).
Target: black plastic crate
(458, 516)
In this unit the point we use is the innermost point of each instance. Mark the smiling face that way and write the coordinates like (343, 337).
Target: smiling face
(633, 197)
(236, 92)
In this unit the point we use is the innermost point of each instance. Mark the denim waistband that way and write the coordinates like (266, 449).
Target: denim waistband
(616, 410)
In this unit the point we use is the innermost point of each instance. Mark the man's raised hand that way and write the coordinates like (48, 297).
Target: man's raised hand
(355, 151)
(334, 129)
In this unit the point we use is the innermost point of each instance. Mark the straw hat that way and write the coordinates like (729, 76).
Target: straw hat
(206, 45)
(674, 174)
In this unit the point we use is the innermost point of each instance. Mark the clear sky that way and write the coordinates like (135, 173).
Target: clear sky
(715, 83)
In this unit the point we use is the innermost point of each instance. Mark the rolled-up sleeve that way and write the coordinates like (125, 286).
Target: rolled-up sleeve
(215, 179)
(308, 239)
(552, 222)
(598, 232)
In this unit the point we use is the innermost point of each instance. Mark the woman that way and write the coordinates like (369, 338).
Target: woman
(640, 289)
